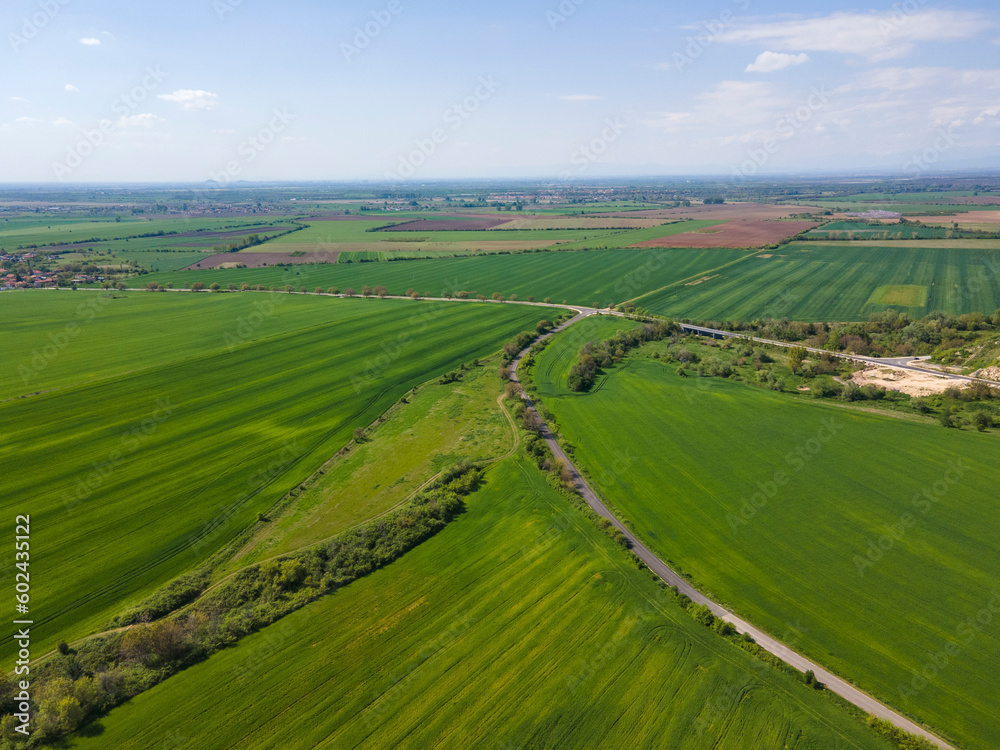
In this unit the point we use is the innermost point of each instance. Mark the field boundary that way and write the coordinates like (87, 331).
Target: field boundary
(841, 687)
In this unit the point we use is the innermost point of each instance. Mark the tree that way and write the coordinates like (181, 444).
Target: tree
(796, 357)
(198, 286)
(982, 421)
(215, 286)
(333, 290)
(152, 286)
(381, 291)
(366, 291)
(462, 295)
(544, 325)
(289, 288)
(359, 435)
(303, 289)
(945, 418)
(120, 286)
(244, 287)
(319, 290)
(349, 292)
(231, 287)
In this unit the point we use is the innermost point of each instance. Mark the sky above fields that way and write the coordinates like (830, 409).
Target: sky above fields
(191, 90)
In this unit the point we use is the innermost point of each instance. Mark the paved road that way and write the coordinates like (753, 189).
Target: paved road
(842, 688)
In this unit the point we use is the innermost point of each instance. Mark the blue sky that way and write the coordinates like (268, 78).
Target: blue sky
(103, 90)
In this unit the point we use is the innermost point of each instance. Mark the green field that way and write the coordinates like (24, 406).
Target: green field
(436, 426)
(772, 504)
(200, 412)
(519, 625)
(836, 281)
(580, 277)
(848, 230)
(324, 233)
(901, 294)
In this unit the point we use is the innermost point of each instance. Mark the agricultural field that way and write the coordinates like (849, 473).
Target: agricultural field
(838, 281)
(740, 233)
(849, 230)
(518, 625)
(375, 235)
(793, 511)
(162, 424)
(436, 425)
(582, 278)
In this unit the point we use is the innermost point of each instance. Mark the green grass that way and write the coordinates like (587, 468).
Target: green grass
(620, 238)
(686, 460)
(334, 232)
(841, 230)
(579, 277)
(815, 281)
(902, 295)
(518, 625)
(437, 426)
(156, 457)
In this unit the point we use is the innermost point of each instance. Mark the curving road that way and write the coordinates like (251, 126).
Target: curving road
(837, 685)
(842, 688)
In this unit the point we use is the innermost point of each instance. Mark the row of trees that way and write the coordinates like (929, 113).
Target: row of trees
(597, 354)
(76, 685)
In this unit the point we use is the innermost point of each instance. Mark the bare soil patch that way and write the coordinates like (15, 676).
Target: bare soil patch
(746, 233)
(904, 381)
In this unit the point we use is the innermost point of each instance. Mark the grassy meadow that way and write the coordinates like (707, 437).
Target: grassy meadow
(154, 439)
(519, 625)
(874, 535)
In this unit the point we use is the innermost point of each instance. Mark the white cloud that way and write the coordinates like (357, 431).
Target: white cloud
(27, 120)
(580, 98)
(62, 122)
(192, 99)
(19, 100)
(91, 41)
(769, 62)
(875, 36)
(71, 88)
(144, 120)
(225, 131)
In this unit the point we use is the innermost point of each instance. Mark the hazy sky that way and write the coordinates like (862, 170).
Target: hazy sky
(107, 90)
